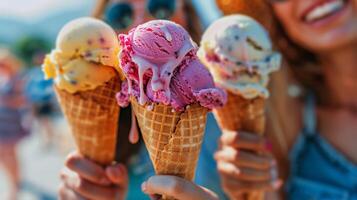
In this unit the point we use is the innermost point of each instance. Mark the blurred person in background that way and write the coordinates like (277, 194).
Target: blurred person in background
(83, 179)
(40, 95)
(38, 91)
(312, 112)
(12, 125)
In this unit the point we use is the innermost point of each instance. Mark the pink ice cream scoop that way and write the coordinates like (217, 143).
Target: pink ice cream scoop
(158, 41)
(160, 63)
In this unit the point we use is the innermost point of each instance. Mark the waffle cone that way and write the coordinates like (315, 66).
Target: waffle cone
(243, 114)
(173, 139)
(93, 119)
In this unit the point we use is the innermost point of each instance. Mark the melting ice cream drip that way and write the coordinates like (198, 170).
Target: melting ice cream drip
(166, 32)
(160, 79)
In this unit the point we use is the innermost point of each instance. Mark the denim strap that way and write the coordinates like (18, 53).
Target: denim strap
(309, 116)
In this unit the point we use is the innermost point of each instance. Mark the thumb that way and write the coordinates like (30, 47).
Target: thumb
(175, 187)
(118, 175)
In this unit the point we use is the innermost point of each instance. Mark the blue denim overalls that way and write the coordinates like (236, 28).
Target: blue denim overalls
(318, 170)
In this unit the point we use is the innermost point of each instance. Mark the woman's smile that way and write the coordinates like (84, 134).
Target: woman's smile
(324, 12)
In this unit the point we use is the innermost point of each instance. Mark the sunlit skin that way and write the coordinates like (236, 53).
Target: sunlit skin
(328, 34)
(332, 38)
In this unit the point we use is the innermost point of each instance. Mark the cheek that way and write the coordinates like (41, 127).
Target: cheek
(284, 12)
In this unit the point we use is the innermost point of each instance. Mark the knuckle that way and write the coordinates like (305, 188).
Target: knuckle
(229, 137)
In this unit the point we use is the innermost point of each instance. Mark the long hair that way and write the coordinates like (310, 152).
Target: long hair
(300, 68)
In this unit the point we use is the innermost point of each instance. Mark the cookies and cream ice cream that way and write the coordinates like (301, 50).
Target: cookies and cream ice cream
(238, 52)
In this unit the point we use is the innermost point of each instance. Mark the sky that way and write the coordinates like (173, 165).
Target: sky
(34, 10)
(37, 9)
(46, 17)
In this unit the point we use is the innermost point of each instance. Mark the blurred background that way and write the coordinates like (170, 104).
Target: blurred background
(28, 30)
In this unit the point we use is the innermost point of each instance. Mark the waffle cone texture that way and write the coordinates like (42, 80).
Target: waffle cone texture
(173, 139)
(242, 114)
(93, 119)
(246, 115)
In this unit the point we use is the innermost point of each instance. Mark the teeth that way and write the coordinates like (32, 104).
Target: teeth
(324, 10)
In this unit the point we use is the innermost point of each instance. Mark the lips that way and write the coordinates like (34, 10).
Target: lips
(322, 10)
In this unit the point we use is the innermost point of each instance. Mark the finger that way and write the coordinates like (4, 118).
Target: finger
(175, 187)
(65, 193)
(238, 187)
(244, 140)
(154, 196)
(87, 169)
(245, 159)
(243, 174)
(118, 175)
(210, 193)
(90, 190)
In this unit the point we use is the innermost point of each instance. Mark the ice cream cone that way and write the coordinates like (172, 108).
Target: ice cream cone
(241, 66)
(173, 139)
(93, 119)
(246, 115)
(242, 114)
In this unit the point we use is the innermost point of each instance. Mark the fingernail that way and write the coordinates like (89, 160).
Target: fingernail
(143, 187)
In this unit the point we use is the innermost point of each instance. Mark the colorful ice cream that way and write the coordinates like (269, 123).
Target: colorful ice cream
(159, 60)
(238, 52)
(85, 55)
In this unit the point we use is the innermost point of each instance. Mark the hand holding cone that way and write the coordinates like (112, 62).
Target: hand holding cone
(238, 52)
(171, 93)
